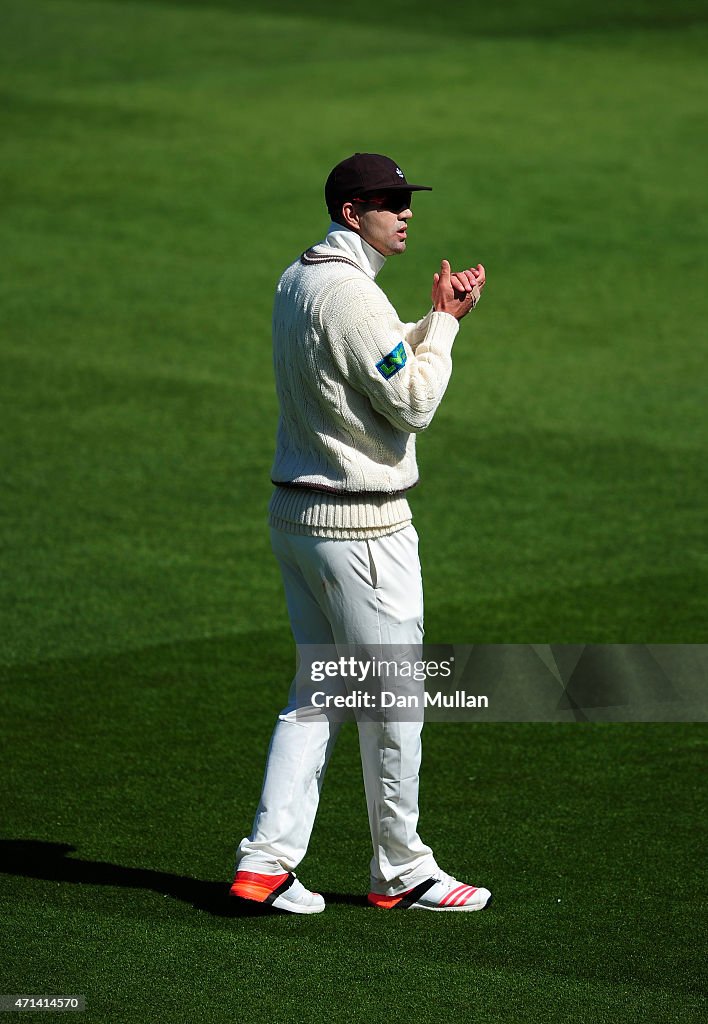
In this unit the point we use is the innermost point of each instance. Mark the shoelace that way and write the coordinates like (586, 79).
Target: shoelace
(448, 880)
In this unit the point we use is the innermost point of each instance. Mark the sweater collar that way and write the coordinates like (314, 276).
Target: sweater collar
(354, 246)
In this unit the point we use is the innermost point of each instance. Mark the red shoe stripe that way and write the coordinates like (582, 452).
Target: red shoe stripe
(463, 897)
(449, 896)
(459, 896)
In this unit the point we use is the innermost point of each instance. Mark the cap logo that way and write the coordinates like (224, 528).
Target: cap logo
(400, 173)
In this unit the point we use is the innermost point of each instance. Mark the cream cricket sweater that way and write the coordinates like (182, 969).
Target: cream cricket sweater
(355, 385)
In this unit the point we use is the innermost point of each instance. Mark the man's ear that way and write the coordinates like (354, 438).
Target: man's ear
(350, 216)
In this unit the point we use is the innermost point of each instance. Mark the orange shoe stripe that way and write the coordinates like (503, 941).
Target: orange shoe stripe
(385, 902)
(250, 885)
(255, 876)
(251, 891)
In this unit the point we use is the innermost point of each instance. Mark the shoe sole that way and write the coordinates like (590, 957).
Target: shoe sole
(296, 908)
(279, 904)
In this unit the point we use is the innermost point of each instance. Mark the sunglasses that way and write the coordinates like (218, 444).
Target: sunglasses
(394, 202)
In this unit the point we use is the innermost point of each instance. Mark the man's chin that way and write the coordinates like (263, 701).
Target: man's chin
(395, 248)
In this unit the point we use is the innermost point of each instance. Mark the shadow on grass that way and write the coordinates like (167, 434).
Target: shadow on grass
(35, 858)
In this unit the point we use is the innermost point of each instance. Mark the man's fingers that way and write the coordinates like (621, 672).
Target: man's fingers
(472, 274)
(444, 271)
(466, 280)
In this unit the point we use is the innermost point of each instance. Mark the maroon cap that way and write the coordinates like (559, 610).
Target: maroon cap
(364, 174)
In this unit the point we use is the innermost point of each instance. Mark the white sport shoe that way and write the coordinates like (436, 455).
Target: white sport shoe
(284, 892)
(443, 892)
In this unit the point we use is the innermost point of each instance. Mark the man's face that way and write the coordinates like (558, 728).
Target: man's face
(383, 220)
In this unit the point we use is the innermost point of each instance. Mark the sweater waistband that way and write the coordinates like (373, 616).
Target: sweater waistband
(338, 516)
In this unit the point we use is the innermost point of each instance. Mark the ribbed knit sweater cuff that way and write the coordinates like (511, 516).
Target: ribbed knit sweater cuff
(442, 330)
(339, 517)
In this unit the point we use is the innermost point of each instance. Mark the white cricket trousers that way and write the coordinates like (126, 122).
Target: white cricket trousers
(341, 592)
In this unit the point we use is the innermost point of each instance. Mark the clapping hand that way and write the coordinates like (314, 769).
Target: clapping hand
(457, 293)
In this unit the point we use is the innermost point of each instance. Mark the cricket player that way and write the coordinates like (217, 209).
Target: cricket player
(355, 385)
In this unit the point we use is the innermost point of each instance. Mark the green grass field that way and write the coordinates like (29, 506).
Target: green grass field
(161, 163)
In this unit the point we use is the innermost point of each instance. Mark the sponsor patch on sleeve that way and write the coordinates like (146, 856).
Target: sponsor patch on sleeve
(393, 362)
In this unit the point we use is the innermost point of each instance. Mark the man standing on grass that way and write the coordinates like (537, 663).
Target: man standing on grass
(355, 385)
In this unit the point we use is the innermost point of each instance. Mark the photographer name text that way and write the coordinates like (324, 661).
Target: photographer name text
(391, 699)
